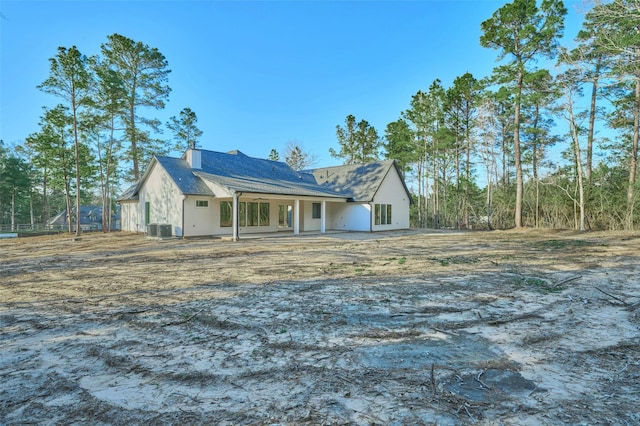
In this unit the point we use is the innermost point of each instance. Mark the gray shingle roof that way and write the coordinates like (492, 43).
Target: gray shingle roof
(130, 194)
(88, 215)
(270, 185)
(357, 181)
(238, 172)
(182, 174)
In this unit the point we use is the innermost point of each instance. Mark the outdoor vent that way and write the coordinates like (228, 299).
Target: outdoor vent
(164, 230)
(152, 230)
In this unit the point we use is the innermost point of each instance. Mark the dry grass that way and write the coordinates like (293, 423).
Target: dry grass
(407, 328)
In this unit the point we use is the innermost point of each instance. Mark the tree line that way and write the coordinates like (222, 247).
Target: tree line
(96, 137)
(479, 153)
(549, 139)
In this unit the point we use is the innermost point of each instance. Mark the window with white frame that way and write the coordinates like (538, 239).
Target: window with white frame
(202, 203)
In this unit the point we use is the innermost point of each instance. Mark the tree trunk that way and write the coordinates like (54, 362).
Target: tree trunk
(444, 194)
(436, 201)
(592, 120)
(457, 195)
(578, 162)
(516, 153)
(419, 172)
(13, 209)
(633, 162)
(489, 205)
(68, 200)
(467, 178)
(31, 213)
(535, 166)
(77, 154)
(134, 135)
(45, 199)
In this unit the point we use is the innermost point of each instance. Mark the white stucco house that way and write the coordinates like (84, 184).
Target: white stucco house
(208, 193)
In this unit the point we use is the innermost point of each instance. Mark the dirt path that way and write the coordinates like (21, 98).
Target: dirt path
(405, 328)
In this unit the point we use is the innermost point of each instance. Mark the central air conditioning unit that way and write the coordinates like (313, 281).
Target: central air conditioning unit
(152, 230)
(164, 230)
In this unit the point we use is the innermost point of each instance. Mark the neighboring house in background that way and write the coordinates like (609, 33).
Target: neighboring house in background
(208, 193)
(90, 218)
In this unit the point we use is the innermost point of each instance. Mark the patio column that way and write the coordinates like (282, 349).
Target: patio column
(234, 217)
(323, 217)
(296, 217)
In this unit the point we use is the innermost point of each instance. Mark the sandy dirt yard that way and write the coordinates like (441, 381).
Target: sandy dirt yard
(407, 328)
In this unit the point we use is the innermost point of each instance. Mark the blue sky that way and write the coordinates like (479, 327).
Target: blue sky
(258, 73)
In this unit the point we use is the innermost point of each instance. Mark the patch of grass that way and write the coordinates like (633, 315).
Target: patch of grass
(455, 260)
(337, 265)
(562, 244)
(402, 261)
(363, 269)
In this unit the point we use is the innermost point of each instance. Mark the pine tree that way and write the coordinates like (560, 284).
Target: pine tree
(71, 80)
(522, 32)
(144, 72)
(185, 131)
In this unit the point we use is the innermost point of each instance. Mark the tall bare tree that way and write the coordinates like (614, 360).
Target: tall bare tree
(296, 157)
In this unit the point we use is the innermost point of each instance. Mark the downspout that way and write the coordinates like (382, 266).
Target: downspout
(236, 196)
(183, 200)
(372, 218)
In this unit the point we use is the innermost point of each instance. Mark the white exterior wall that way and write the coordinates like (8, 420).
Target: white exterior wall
(349, 216)
(392, 192)
(129, 216)
(200, 221)
(165, 201)
(307, 223)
